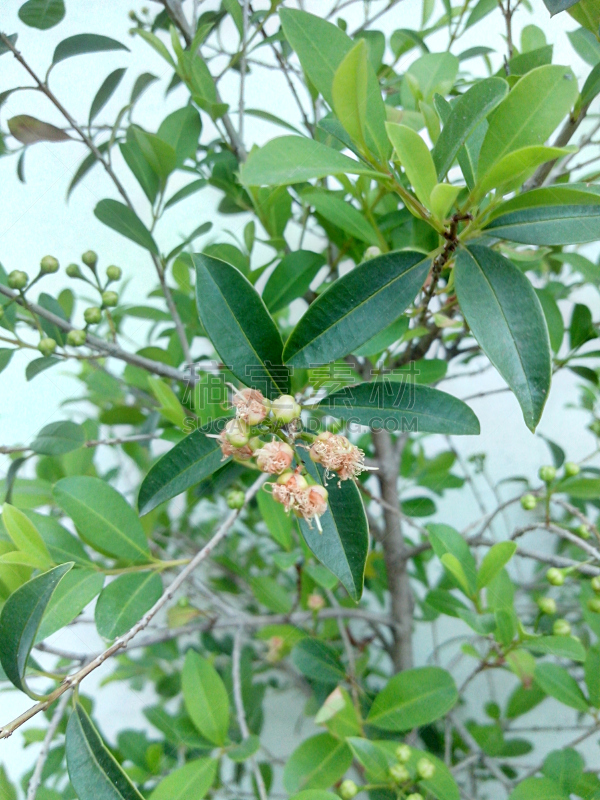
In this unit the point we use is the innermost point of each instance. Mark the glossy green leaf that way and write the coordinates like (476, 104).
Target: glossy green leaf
(415, 158)
(122, 219)
(103, 518)
(372, 758)
(557, 683)
(592, 674)
(192, 460)
(387, 337)
(58, 438)
(94, 772)
(26, 537)
(294, 159)
(124, 602)
(514, 168)
(505, 317)
(411, 406)
(349, 93)
(494, 560)
(238, 324)
(193, 780)
(554, 319)
(317, 763)
(559, 646)
(291, 278)
(413, 698)
(318, 661)
(20, 619)
(42, 14)
(549, 225)
(105, 92)
(342, 214)
(356, 307)
(445, 539)
(205, 697)
(181, 130)
(467, 113)
(83, 43)
(75, 591)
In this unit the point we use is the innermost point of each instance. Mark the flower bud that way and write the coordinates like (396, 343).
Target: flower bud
(403, 753)
(285, 409)
(17, 279)
(555, 577)
(47, 346)
(113, 273)
(547, 605)
(571, 469)
(274, 457)
(561, 628)
(236, 432)
(76, 338)
(425, 769)
(73, 271)
(547, 474)
(90, 259)
(315, 602)
(528, 502)
(110, 299)
(595, 584)
(348, 789)
(48, 265)
(292, 479)
(371, 252)
(399, 773)
(236, 499)
(593, 604)
(92, 315)
(583, 531)
(250, 406)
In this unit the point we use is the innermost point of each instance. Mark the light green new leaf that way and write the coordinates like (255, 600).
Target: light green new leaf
(415, 158)
(72, 595)
(349, 93)
(19, 622)
(513, 169)
(94, 772)
(455, 568)
(443, 196)
(505, 317)
(205, 697)
(343, 214)
(431, 73)
(83, 43)
(413, 698)
(42, 14)
(58, 438)
(559, 646)
(318, 661)
(558, 683)
(317, 763)
(103, 518)
(445, 539)
(26, 537)
(538, 789)
(122, 219)
(170, 407)
(193, 780)
(494, 560)
(125, 601)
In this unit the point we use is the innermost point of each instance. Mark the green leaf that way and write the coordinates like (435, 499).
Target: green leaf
(318, 661)
(29, 130)
(170, 407)
(586, 44)
(431, 73)
(505, 317)
(442, 785)
(317, 763)
(42, 14)
(469, 110)
(445, 539)
(528, 115)
(591, 87)
(160, 156)
(554, 319)
(277, 521)
(134, 158)
(443, 196)
(61, 544)
(244, 750)
(356, 307)
(122, 219)
(94, 772)
(192, 460)
(385, 338)
(291, 278)
(181, 130)
(124, 602)
(194, 779)
(83, 43)
(344, 543)
(559, 646)
(587, 13)
(413, 698)
(7, 790)
(415, 158)
(557, 683)
(103, 518)
(105, 92)
(410, 405)
(565, 767)
(58, 438)
(349, 93)
(455, 568)
(494, 560)
(513, 169)
(25, 536)
(271, 594)
(372, 758)
(72, 595)
(237, 322)
(20, 619)
(537, 789)
(5, 357)
(549, 225)
(592, 674)
(294, 159)
(343, 214)
(205, 697)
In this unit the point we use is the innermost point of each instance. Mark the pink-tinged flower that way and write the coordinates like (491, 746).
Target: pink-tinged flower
(312, 504)
(294, 493)
(234, 440)
(274, 457)
(315, 602)
(251, 406)
(275, 652)
(337, 454)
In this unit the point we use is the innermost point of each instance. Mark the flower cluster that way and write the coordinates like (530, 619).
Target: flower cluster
(336, 454)
(306, 500)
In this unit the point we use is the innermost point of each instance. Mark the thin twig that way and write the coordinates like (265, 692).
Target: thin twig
(36, 778)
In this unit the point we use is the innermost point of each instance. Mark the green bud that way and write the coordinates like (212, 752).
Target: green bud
(555, 577)
(403, 753)
(571, 469)
(595, 584)
(561, 628)
(415, 796)
(348, 790)
(528, 502)
(593, 604)
(18, 279)
(236, 499)
(49, 264)
(76, 338)
(90, 259)
(285, 408)
(113, 273)
(583, 531)
(547, 605)
(399, 773)
(425, 769)
(110, 299)
(47, 346)
(73, 271)
(547, 474)
(92, 315)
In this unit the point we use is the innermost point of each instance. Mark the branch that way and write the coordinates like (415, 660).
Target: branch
(139, 437)
(36, 778)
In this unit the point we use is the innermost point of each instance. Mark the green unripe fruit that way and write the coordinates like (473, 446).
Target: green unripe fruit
(415, 796)
(92, 315)
(595, 584)
(90, 259)
(47, 346)
(583, 532)
(113, 273)
(236, 432)
(425, 769)
(571, 469)
(76, 338)
(547, 605)
(49, 264)
(73, 271)
(555, 577)
(399, 773)
(561, 628)
(110, 299)
(528, 502)
(403, 753)
(285, 409)
(18, 279)
(348, 790)
(547, 474)
(594, 604)
(235, 499)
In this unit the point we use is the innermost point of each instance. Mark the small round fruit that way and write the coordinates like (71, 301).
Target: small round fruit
(90, 259)
(425, 769)
(113, 273)
(528, 502)
(561, 628)
(110, 299)
(583, 531)
(348, 789)
(547, 605)
(92, 315)
(555, 577)
(547, 474)
(47, 346)
(285, 409)
(18, 279)
(595, 583)
(73, 271)
(571, 469)
(48, 265)
(593, 604)
(76, 338)
(399, 773)
(235, 499)
(236, 432)
(403, 753)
